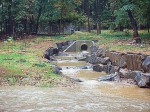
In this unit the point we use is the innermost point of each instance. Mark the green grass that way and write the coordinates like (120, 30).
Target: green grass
(109, 39)
(21, 60)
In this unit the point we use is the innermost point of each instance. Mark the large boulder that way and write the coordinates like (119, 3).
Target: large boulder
(134, 61)
(81, 58)
(124, 72)
(60, 45)
(94, 49)
(146, 64)
(57, 69)
(77, 80)
(98, 68)
(110, 69)
(106, 68)
(100, 52)
(104, 60)
(128, 74)
(111, 77)
(117, 58)
(143, 80)
(50, 52)
(93, 59)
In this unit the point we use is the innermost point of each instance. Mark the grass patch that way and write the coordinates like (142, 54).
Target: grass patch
(24, 59)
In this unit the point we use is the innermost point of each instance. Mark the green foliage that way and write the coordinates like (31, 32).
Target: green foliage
(25, 16)
(139, 8)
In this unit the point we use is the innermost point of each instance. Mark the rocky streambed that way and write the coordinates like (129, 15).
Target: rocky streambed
(83, 55)
(89, 94)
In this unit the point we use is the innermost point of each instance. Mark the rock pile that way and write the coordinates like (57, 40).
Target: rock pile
(129, 66)
(120, 65)
(54, 51)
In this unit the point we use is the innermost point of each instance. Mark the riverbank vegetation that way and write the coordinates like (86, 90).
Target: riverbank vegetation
(22, 63)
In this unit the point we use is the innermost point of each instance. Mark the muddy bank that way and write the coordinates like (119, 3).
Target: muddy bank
(62, 81)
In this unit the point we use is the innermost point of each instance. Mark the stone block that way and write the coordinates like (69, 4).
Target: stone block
(111, 77)
(134, 61)
(117, 59)
(143, 80)
(146, 64)
(104, 60)
(100, 52)
(98, 68)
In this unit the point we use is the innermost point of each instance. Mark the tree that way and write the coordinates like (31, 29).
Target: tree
(131, 8)
(98, 8)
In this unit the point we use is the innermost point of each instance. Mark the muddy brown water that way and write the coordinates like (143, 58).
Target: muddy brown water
(87, 96)
(69, 63)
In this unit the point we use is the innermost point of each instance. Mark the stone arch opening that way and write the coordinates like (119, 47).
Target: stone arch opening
(84, 47)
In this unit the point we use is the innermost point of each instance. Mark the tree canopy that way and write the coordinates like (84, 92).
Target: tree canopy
(28, 16)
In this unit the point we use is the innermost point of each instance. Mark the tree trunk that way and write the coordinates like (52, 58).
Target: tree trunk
(25, 25)
(1, 32)
(31, 24)
(59, 26)
(30, 28)
(134, 26)
(148, 27)
(6, 26)
(10, 20)
(50, 28)
(39, 15)
(98, 16)
(88, 14)
(148, 19)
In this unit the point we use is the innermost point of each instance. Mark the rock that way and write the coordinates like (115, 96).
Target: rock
(59, 45)
(66, 43)
(95, 41)
(93, 59)
(77, 80)
(117, 59)
(143, 80)
(107, 68)
(57, 69)
(104, 60)
(55, 51)
(94, 49)
(98, 68)
(48, 53)
(111, 77)
(128, 74)
(134, 61)
(146, 64)
(114, 69)
(81, 58)
(100, 52)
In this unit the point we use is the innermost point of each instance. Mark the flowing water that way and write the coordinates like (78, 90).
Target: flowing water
(87, 96)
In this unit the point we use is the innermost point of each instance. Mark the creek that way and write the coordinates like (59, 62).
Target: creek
(89, 95)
